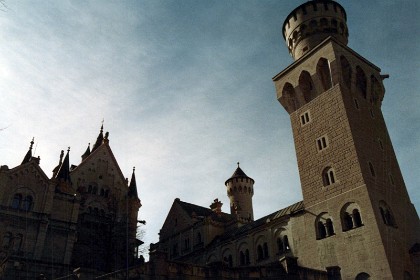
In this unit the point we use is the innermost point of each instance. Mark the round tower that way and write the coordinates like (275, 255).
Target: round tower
(311, 23)
(240, 189)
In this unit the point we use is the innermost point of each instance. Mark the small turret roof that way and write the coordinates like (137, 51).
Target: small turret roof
(86, 153)
(132, 189)
(239, 173)
(99, 139)
(64, 170)
(28, 155)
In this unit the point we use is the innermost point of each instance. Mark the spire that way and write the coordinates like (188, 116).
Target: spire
(100, 138)
(63, 172)
(87, 153)
(28, 155)
(239, 173)
(132, 189)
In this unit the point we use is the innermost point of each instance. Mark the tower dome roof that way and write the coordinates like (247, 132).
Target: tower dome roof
(239, 173)
(311, 23)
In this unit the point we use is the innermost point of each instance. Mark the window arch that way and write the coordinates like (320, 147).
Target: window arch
(260, 253)
(362, 276)
(289, 98)
(376, 90)
(17, 200)
(372, 169)
(27, 203)
(361, 83)
(283, 244)
(324, 226)
(324, 73)
(306, 86)
(346, 71)
(386, 214)
(328, 176)
(7, 240)
(350, 216)
(265, 251)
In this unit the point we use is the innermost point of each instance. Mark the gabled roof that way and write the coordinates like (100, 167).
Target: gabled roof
(196, 210)
(243, 230)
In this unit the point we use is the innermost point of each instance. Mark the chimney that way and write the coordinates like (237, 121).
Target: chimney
(216, 206)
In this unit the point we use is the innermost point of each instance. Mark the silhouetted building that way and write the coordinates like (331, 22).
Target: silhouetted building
(83, 217)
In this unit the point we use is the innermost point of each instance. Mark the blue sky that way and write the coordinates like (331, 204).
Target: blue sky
(185, 90)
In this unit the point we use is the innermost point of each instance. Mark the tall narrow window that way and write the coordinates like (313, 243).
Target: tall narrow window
(324, 73)
(361, 82)
(357, 218)
(346, 71)
(17, 199)
(306, 86)
(330, 227)
(27, 203)
(247, 257)
(265, 255)
(372, 170)
(328, 176)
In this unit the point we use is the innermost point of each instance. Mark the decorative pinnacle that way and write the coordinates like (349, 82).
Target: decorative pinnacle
(238, 164)
(68, 149)
(32, 143)
(134, 169)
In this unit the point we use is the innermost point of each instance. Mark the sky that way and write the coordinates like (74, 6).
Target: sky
(184, 88)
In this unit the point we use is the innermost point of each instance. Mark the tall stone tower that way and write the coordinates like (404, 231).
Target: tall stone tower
(360, 213)
(240, 189)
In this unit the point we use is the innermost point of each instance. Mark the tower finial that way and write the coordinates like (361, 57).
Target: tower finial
(32, 143)
(238, 164)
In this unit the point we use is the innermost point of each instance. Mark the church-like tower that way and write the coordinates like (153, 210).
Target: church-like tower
(358, 209)
(240, 189)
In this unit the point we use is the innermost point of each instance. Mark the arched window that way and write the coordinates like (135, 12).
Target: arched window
(259, 253)
(372, 170)
(230, 261)
(289, 98)
(286, 243)
(322, 233)
(265, 247)
(7, 240)
(306, 86)
(324, 226)
(328, 176)
(362, 276)
(247, 257)
(17, 199)
(386, 213)
(27, 203)
(324, 73)
(330, 227)
(17, 243)
(357, 218)
(347, 221)
(361, 83)
(376, 90)
(102, 193)
(346, 71)
(241, 258)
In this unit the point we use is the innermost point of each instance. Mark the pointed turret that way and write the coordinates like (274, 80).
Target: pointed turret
(86, 153)
(28, 155)
(100, 139)
(240, 189)
(132, 189)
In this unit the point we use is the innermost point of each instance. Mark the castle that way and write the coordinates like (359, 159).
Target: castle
(83, 217)
(356, 220)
